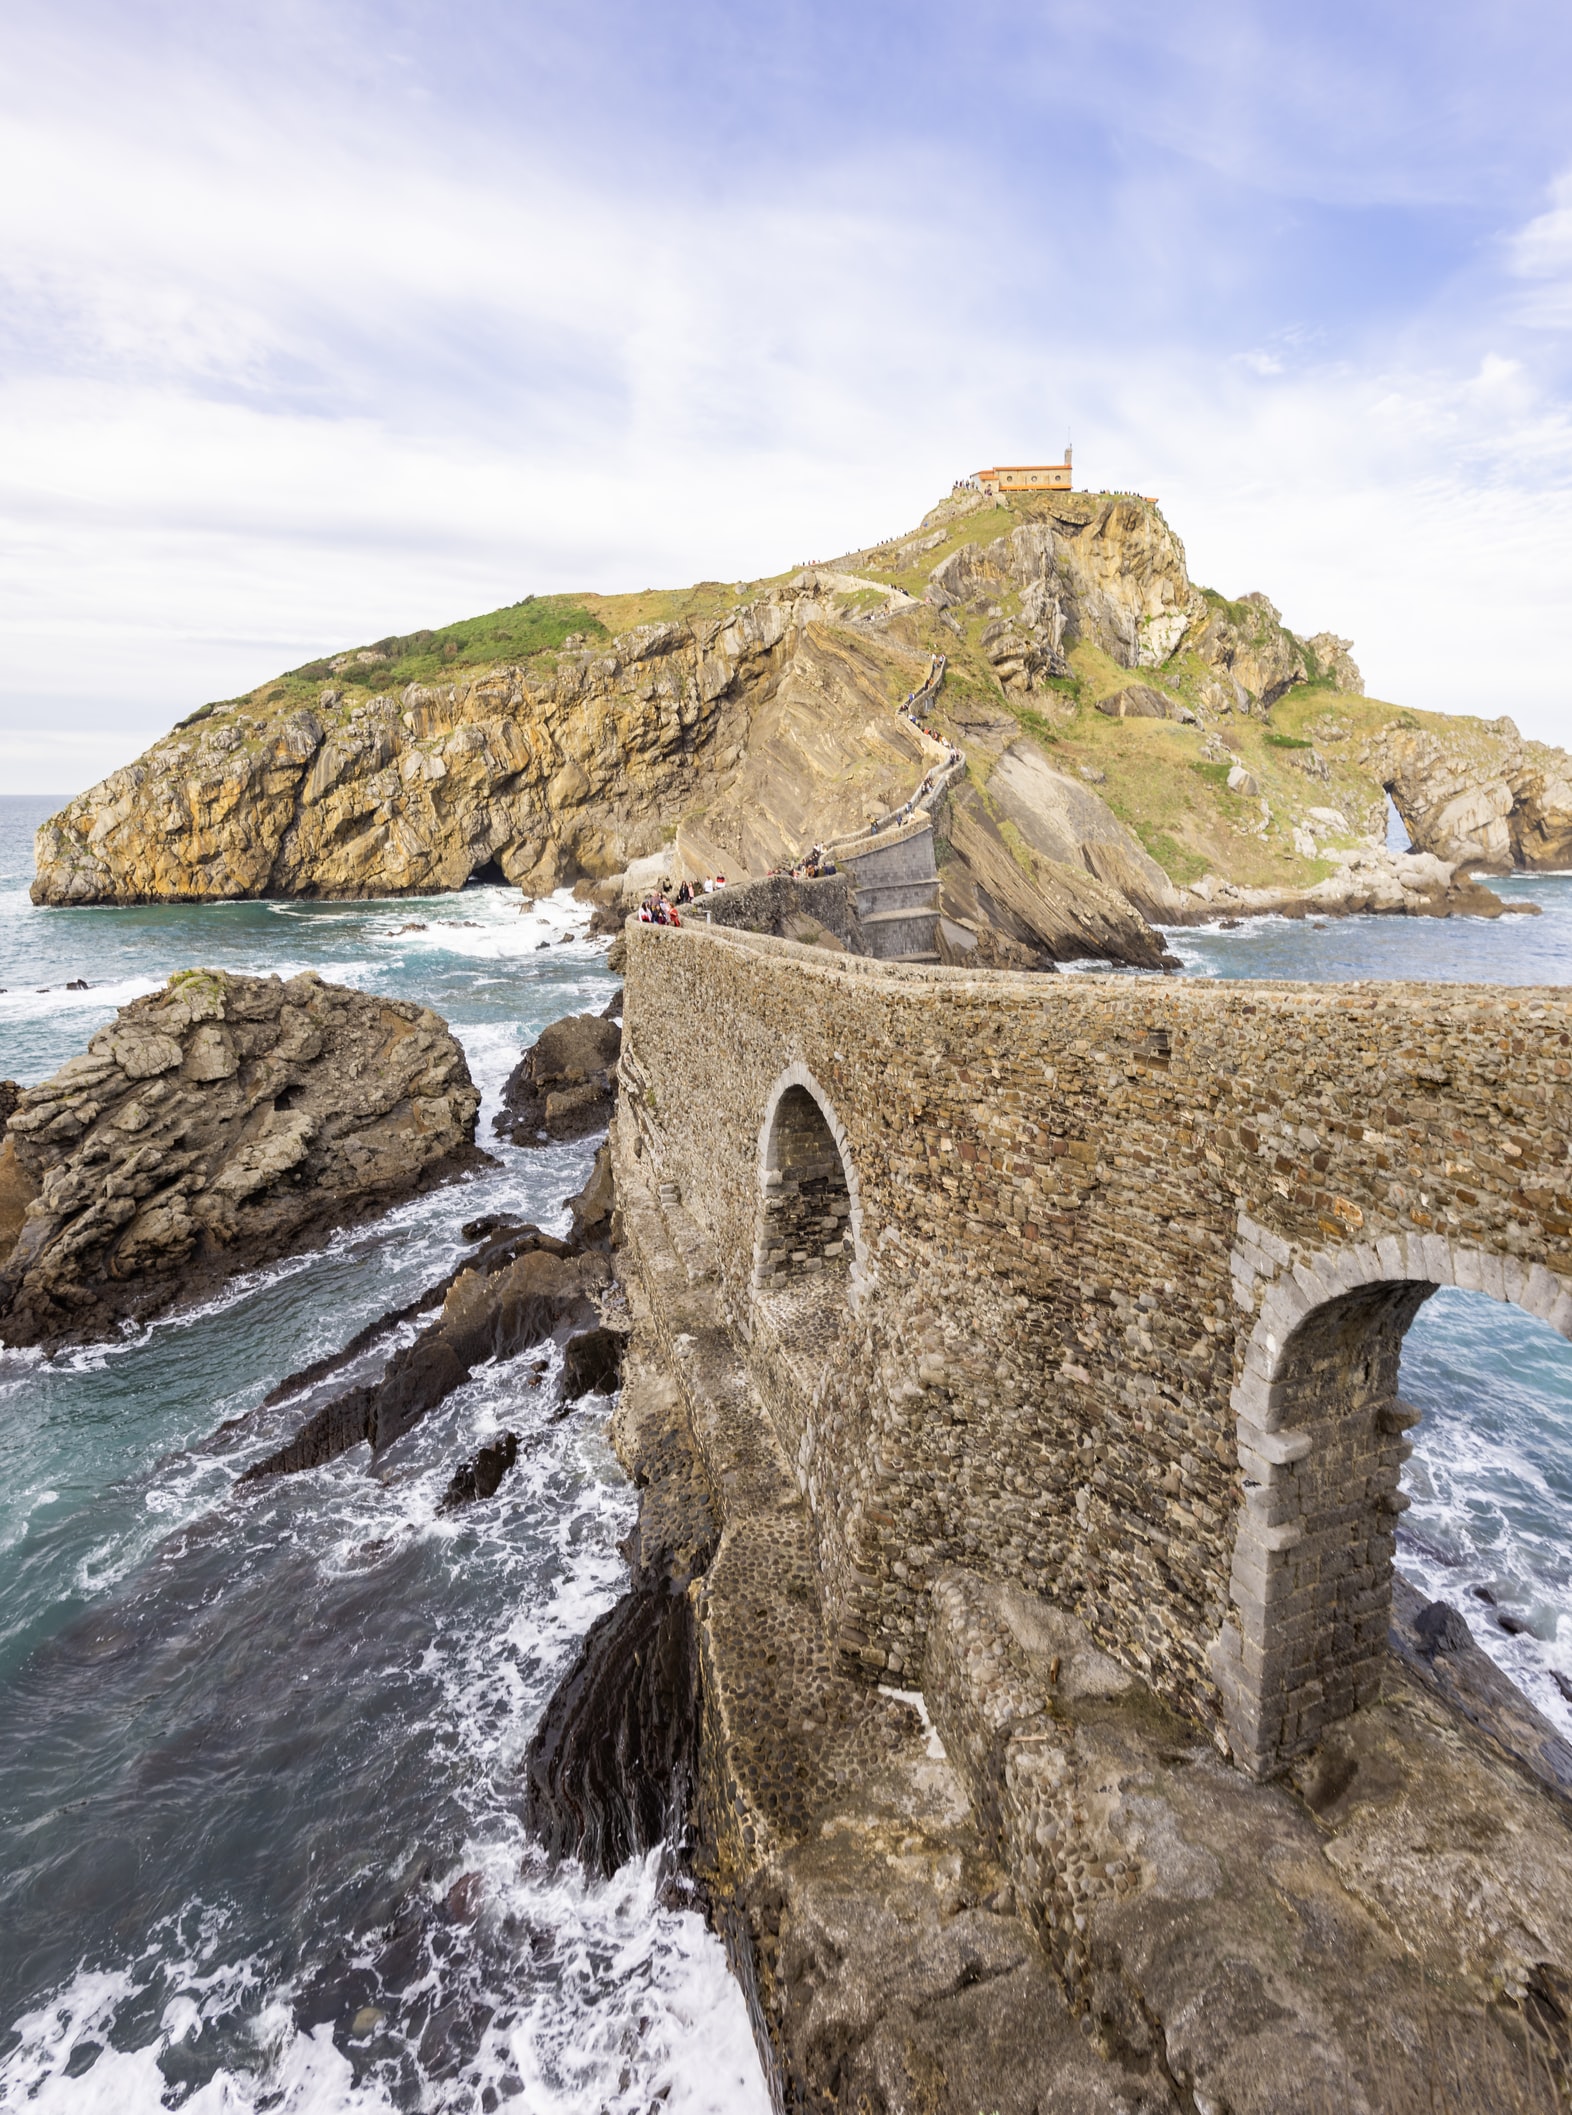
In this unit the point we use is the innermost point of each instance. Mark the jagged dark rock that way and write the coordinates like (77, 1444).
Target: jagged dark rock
(592, 1363)
(481, 1476)
(1442, 1629)
(610, 1770)
(520, 1288)
(210, 1128)
(595, 1204)
(1435, 1643)
(564, 1085)
(335, 1361)
(531, 1287)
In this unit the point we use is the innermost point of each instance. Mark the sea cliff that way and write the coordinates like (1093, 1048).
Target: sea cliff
(1131, 740)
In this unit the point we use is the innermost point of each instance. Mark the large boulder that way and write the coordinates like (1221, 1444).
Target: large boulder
(564, 1084)
(210, 1128)
(1138, 701)
(1334, 663)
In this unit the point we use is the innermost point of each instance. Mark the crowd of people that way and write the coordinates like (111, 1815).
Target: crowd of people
(933, 735)
(911, 710)
(663, 905)
(817, 862)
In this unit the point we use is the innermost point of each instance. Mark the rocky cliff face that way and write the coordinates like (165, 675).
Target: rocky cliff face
(729, 729)
(210, 1128)
(1477, 793)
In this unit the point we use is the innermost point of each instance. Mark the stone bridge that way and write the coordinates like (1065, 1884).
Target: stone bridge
(1099, 1284)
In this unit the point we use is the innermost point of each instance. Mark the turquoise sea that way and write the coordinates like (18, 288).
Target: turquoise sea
(257, 1741)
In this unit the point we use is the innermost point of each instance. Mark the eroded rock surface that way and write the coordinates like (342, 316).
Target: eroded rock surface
(577, 761)
(1478, 794)
(565, 1083)
(1262, 1943)
(1404, 884)
(211, 1127)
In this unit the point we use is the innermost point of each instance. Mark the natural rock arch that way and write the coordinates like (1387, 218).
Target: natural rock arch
(810, 1212)
(1321, 1443)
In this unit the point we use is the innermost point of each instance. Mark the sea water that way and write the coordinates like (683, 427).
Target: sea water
(252, 1739)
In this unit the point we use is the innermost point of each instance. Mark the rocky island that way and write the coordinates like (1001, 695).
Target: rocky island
(1137, 750)
(212, 1127)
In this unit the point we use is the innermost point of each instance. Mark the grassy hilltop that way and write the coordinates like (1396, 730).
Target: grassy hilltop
(1087, 677)
(1156, 775)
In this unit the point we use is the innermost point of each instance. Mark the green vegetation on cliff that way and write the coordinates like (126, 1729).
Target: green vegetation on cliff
(1194, 737)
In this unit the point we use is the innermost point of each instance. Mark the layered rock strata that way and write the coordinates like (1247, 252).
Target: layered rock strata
(569, 763)
(220, 1123)
(524, 1288)
(1478, 795)
(728, 730)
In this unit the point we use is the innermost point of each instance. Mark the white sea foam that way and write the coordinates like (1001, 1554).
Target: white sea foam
(295, 2074)
(34, 1005)
(639, 2010)
(599, 1996)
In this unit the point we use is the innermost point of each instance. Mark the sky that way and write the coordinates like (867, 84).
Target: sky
(320, 321)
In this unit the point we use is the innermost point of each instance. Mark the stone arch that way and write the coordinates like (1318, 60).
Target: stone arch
(1321, 1442)
(810, 1209)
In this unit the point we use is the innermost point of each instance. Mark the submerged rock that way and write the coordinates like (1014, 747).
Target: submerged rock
(520, 1288)
(592, 1363)
(564, 1085)
(210, 1128)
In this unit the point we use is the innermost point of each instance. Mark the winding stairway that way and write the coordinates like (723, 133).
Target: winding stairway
(891, 864)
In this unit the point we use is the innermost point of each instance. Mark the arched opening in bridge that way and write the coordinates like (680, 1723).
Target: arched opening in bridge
(806, 1242)
(1324, 1434)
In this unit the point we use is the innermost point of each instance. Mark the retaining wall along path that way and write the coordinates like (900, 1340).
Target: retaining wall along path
(1123, 1282)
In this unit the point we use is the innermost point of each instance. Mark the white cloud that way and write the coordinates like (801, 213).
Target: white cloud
(279, 381)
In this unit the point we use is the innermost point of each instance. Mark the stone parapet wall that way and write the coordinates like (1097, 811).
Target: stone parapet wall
(897, 885)
(1091, 1223)
(768, 905)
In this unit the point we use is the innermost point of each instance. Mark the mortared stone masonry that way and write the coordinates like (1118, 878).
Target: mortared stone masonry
(1107, 1293)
